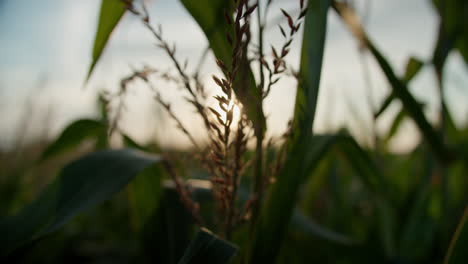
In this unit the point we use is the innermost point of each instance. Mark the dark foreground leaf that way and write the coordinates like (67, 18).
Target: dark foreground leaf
(81, 185)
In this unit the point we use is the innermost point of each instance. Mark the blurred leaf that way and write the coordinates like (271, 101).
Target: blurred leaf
(278, 209)
(168, 230)
(144, 194)
(209, 14)
(457, 252)
(412, 107)
(208, 248)
(376, 185)
(413, 66)
(73, 135)
(462, 44)
(109, 16)
(453, 30)
(304, 225)
(168, 225)
(130, 143)
(82, 184)
(419, 227)
(385, 104)
(399, 88)
(397, 121)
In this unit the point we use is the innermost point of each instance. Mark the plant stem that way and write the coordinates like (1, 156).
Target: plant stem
(258, 187)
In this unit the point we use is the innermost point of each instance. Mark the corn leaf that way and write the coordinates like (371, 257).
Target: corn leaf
(453, 30)
(73, 135)
(209, 14)
(81, 185)
(399, 88)
(413, 67)
(419, 227)
(168, 229)
(376, 185)
(109, 16)
(397, 121)
(276, 213)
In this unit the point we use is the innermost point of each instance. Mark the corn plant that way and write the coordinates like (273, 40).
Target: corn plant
(302, 197)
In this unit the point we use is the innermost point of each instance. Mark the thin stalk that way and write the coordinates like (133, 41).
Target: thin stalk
(258, 170)
(444, 188)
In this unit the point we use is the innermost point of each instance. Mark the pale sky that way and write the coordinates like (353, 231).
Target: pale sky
(46, 51)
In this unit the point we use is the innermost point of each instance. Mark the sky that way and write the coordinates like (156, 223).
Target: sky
(47, 45)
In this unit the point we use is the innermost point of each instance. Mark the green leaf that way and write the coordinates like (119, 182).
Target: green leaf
(144, 194)
(413, 66)
(453, 30)
(109, 16)
(304, 225)
(376, 185)
(209, 14)
(419, 227)
(412, 107)
(81, 185)
(457, 253)
(208, 248)
(399, 88)
(73, 135)
(169, 229)
(278, 209)
(385, 104)
(397, 121)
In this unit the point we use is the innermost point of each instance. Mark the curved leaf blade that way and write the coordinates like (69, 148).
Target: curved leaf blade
(82, 184)
(73, 135)
(109, 16)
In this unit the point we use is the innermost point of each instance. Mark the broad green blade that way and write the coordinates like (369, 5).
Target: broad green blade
(109, 16)
(208, 248)
(457, 252)
(81, 185)
(209, 14)
(73, 135)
